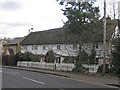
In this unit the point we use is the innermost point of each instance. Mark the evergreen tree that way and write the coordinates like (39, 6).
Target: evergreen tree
(83, 19)
(116, 58)
(92, 57)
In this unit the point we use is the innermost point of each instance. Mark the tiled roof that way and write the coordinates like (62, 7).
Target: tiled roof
(15, 41)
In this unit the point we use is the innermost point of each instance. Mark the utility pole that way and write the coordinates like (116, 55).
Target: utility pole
(104, 39)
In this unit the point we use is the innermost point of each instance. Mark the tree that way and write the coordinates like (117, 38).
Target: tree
(83, 19)
(116, 58)
(92, 57)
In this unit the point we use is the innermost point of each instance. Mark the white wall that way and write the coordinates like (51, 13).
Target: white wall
(65, 50)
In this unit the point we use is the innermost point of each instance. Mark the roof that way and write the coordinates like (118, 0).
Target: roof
(52, 36)
(57, 36)
(15, 41)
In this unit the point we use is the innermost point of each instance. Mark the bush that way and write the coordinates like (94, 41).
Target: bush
(27, 57)
(116, 58)
(107, 69)
(68, 60)
(79, 67)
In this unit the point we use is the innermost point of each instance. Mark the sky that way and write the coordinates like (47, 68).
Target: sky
(17, 16)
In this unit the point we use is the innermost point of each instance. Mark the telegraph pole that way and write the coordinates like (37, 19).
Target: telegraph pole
(104, 39)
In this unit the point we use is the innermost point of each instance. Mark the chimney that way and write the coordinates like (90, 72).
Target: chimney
(30, 30)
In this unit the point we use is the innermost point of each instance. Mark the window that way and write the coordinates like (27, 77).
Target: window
(58, 47)
(32, 47)
(58, 60)
(74, 59)
(15, 47)
(24, 47)
(44, 47)
(74, 46)
(36, 47)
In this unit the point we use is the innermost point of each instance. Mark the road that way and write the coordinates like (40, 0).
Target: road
(13, 78)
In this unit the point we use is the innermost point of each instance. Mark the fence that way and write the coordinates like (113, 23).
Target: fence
(92, 68)
(57, 66)
(9, 60)
(51, 66)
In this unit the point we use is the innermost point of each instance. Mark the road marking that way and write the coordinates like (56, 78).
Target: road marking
(33, 80)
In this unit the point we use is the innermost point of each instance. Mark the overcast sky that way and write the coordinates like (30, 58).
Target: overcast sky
(17, 16)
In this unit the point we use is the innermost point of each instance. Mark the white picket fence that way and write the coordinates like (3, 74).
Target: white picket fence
(56, 66)
(51, 66)
(92, 68)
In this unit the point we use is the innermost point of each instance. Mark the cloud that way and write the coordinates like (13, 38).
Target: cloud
(10, 5)
(16, 24)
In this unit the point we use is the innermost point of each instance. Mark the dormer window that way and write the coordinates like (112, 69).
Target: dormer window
(58, 47)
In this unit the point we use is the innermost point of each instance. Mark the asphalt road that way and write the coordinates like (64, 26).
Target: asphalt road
(12, 78)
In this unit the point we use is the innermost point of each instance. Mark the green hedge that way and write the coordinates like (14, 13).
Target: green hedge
(27, 57)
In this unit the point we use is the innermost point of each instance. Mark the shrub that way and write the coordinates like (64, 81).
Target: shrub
(27, 57)
(116, 58)
(107, 69)
(79, 67)
(68, 60)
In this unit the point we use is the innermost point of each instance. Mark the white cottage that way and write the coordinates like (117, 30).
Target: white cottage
(62, 47)
(42, 42)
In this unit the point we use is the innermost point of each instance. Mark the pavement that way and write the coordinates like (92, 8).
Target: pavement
(96, 80)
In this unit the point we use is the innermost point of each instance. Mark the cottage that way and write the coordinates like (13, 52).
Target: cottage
(13, 46)
(51, 43)
(54, 46)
